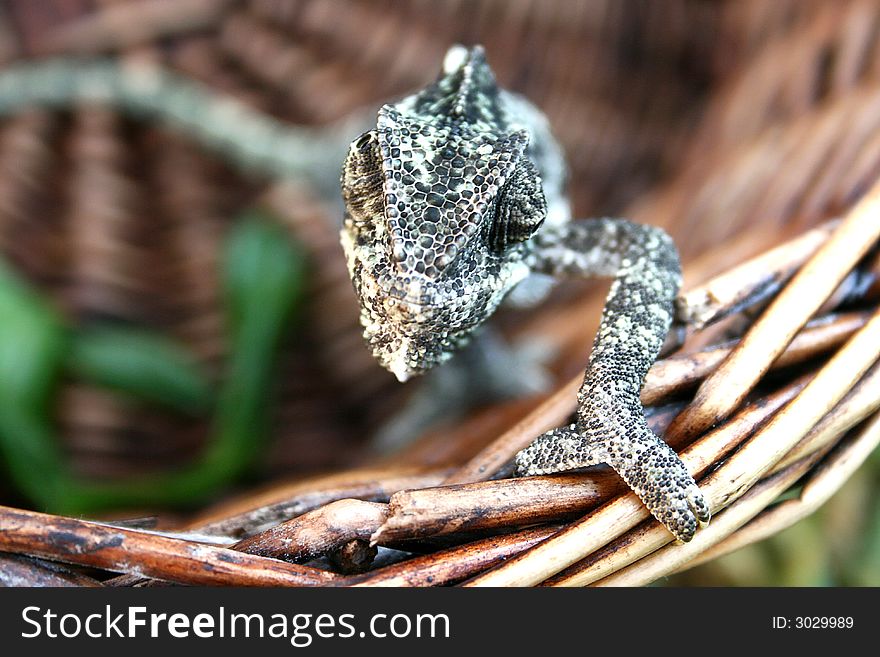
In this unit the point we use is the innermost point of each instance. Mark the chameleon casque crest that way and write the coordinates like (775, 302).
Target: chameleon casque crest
(440, 199)
(453, 201)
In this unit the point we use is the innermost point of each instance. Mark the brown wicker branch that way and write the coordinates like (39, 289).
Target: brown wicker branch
(437, 511)
(455, 564)
(751, 281)
(127, 551)
(18, 570)
(428, 512)
(313, 534)
(725, 389)
(826, 480)
(492, 504)
(418, 513)
(284, 501)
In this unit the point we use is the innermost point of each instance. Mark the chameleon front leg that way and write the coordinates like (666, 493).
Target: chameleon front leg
(611, 426)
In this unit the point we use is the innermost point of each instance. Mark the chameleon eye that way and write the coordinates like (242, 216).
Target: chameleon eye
(520, 208)
(365, 141)
(362, 180)
(363, 157)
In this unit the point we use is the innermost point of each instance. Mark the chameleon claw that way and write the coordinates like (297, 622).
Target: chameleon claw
(678, 505)
(699, 507)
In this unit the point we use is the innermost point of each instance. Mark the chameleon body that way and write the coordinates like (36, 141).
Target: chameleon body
(453, 201)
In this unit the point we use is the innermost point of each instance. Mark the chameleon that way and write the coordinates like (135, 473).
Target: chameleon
(453, 202)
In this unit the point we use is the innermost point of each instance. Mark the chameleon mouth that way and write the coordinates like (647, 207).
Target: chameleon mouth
(400, 370)
(404, 357)
(401, 359)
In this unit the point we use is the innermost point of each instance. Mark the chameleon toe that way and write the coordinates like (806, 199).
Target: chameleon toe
(558, 450)
(699, 506)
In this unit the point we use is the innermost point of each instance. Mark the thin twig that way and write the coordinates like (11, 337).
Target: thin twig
(129, 551)
(751, 281)
(821, 485)
(725, 388)
(287, 500)
(492, 504)
(317, 532)
(457, 563)
(19, 570)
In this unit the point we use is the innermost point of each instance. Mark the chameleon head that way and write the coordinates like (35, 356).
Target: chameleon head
(440, 204)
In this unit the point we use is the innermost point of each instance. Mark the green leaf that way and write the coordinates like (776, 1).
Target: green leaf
(140, 364)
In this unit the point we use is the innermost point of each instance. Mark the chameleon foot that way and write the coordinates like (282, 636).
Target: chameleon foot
(647, 464)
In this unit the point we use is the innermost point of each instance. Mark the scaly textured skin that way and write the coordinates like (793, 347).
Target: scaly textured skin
(454, 200)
